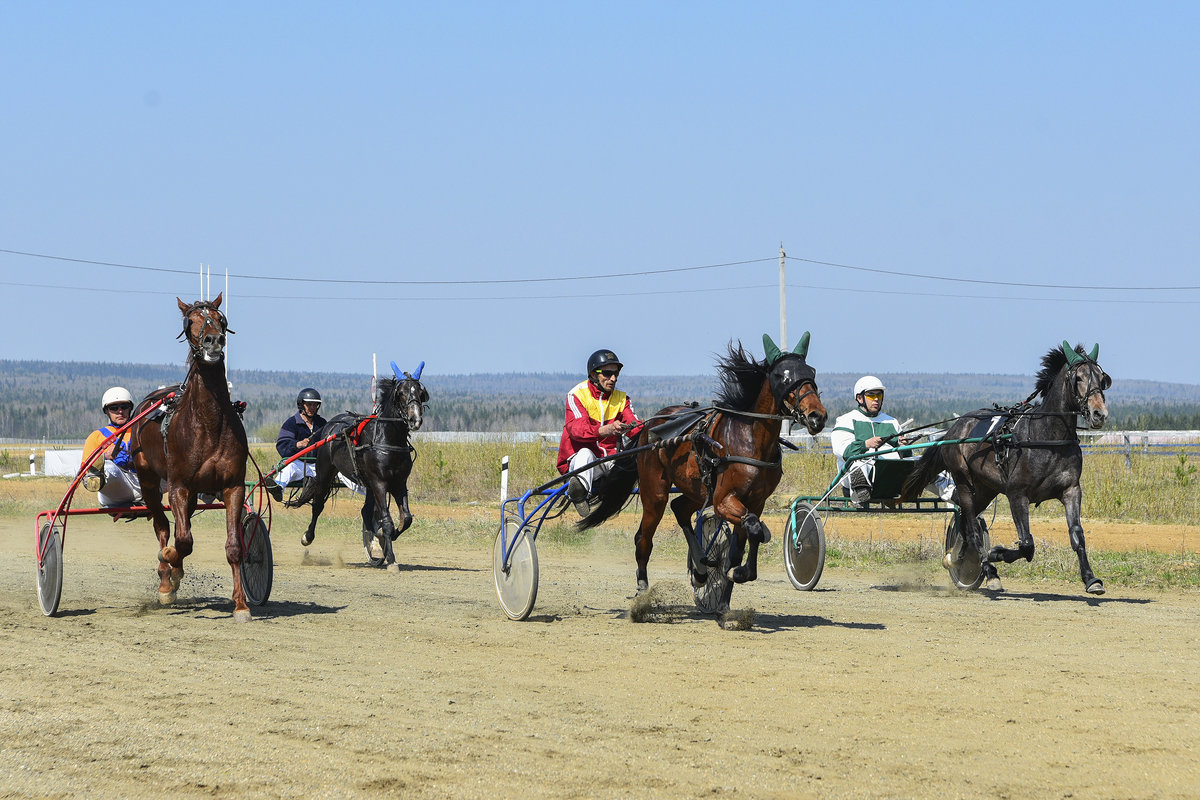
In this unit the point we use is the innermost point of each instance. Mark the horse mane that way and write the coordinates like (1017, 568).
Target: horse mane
(386, 392)
(1052, 364)
(741, 379)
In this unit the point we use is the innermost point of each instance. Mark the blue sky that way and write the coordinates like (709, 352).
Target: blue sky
(958, 186)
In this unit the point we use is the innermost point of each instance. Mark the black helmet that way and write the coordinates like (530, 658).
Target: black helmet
(308, 395)
(601, 359)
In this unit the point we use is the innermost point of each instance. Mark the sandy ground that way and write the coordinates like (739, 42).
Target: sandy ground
(353, 682)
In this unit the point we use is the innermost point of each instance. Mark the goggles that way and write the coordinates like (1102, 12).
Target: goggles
(874, 394)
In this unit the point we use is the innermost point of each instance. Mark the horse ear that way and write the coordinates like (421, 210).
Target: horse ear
(417, 374)
(399, 373)
(801, 348)
(770, 349)
(217, 303)
(182, 305)
(1095, 352)
(1073, 358)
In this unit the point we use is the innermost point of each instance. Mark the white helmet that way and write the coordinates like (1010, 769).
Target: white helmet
(117, 394)
(866, 383)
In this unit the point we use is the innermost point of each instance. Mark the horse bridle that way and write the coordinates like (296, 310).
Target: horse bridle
(396, 392)
(807, 375)
(1095, 385)
(206, 311)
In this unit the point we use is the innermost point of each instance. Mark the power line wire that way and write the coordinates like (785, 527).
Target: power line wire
(490, 281)
(994, 283)
(597, 295)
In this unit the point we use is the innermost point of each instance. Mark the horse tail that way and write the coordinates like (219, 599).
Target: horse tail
(928, 466)
(613, 490)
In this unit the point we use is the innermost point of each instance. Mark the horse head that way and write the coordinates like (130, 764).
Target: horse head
(1085, 383)
(410, 396)
(794, 383)
(204, 327)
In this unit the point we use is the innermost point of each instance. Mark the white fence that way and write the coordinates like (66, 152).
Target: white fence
(62, 458)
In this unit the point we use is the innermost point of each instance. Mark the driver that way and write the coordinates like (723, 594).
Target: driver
(297, 432)
(112, 475)
(597, 415)
(861, 431)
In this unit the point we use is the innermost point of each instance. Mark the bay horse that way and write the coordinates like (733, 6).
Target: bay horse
(374, 452)
(736, 476)
(198, 445)
(1031, 455)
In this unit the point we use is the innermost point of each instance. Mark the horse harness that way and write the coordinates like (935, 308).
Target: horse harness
(351, 436)
(706, 449)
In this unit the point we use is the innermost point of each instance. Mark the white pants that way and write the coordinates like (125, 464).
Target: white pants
(582, 458)
(121, 488)
(294, 472)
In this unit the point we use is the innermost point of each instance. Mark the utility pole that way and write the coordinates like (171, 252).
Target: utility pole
(783, 340)
(783, 343)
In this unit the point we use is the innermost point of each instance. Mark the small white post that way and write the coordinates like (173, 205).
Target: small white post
(32, 463)
(503, 480)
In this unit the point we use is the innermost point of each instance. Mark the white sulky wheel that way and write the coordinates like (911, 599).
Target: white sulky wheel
(803, 549)
(258, 563)
(964, 566)
(50, 573)
(516, 586)
(715, 531)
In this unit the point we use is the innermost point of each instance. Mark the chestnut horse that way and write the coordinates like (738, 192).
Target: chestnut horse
(1031, 456)
(736, 476)
(199, 445)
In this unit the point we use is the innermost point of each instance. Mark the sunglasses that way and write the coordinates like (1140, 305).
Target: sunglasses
(873, 395)
(126, 407)
(609, 373)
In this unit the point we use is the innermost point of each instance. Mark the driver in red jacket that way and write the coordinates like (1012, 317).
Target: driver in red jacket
(596, 416)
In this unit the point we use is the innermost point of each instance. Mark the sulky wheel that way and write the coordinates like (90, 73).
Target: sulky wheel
(964, 565)
(803, 546)
(516, 586)
(716, 538)
(50, 573)
(258, 563)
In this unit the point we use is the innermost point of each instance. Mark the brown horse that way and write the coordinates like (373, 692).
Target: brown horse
(731, 463)
(198, 445)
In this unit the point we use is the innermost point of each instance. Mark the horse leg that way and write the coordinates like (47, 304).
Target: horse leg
(684, 507)
(654, 504)
(386, 532)
(1071, 500)
(749, 528)
(170, 569)
(234, 497)
(318, 506)
(1019, 505)
(152, 496)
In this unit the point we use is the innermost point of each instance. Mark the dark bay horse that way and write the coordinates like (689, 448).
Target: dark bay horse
(737, 476)
(198, 445)
(375, 453)
(1032, 456)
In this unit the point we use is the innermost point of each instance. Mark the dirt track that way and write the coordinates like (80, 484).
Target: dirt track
(353, 682)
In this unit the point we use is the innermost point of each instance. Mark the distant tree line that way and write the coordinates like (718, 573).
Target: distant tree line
(60, 400)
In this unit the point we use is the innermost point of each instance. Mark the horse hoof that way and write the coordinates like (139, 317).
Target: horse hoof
(1095, 587)
(242, 616)
(643, 587)
(994, 585)
(306, 539)
(166, 598)
(948, 561)
(393, 568)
